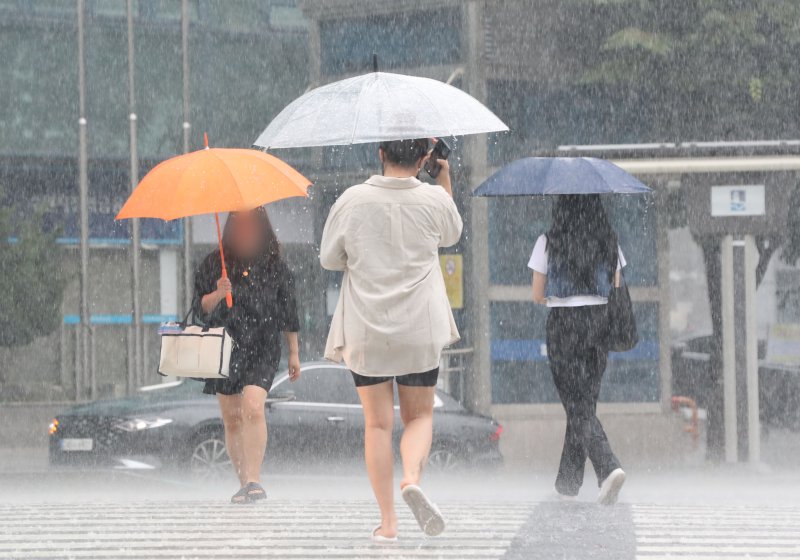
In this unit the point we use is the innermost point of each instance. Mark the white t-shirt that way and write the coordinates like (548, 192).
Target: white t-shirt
(538, 263)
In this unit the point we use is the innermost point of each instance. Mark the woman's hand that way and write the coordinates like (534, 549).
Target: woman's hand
(211, 300)
(443, 179)
(224, 287)
(294, 367)
(292, 343)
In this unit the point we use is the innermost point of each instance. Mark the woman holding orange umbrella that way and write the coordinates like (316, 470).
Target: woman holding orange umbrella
(263, 289)
(255, 283)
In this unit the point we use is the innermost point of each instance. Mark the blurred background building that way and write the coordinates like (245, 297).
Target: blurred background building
(560, 73)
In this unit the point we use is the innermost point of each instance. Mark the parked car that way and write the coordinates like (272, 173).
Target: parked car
(779, 386)
(316, 419)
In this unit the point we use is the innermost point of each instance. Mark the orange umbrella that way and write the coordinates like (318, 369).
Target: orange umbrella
(211, 181)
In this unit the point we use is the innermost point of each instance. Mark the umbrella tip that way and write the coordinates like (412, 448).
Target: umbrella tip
(374, 62)
(205, 140)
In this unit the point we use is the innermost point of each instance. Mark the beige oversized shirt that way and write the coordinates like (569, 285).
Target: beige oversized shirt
(393, 316)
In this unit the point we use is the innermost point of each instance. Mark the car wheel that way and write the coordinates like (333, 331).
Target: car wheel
(444, 460)
(209, 456)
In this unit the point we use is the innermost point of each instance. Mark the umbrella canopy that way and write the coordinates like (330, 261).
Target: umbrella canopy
(210, 181)
(376, 107)
(213, 180)
(560, 175)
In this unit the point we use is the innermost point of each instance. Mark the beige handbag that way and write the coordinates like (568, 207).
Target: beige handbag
(195, 351)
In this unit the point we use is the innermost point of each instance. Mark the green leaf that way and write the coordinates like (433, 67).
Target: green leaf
(633, 38)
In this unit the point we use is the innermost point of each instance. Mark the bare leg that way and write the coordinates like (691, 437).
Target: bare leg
(231, 407)
(378, 404)
(254, 432)
(416, 410)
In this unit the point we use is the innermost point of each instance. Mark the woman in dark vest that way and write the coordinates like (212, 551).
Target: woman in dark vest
(574, 265)
(264, 306)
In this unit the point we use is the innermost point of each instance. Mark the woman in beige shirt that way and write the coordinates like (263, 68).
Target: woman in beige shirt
(393, 317)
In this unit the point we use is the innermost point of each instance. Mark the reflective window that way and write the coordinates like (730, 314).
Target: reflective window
(544, 117)
(398, 39)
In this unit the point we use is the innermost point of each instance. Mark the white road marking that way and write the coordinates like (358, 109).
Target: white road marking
(716, 533)
(291, 531)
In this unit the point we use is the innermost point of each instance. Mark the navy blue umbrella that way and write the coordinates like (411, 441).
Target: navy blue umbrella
(560, 175)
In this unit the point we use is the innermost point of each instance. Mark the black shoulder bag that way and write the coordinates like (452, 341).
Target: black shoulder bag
(622, 335)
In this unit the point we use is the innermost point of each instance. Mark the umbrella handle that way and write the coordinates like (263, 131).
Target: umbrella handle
(228, 297)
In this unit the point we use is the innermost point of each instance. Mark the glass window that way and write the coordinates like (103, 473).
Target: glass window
(545, 118)
(329, 385)
(117, 8)
(287, 16)
(514, 225)
(242, 14)
(160, 9)
(521, 373)
(54, 7)
(403, 39)
(787, 293)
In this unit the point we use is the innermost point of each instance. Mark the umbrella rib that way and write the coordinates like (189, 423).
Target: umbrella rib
(431, 103)
(231, 175)
(358, 110)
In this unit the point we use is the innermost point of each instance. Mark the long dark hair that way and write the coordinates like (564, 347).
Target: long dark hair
(270, 248)
(582, 240)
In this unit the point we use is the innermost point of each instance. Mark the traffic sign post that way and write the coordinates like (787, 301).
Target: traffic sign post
(739, 206)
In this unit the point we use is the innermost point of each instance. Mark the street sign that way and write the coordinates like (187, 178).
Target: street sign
(738, 200)
(738, 203)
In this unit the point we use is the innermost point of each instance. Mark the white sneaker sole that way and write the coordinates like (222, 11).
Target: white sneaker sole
(609, 490)
(426, 513)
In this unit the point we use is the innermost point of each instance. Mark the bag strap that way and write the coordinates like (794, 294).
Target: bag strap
(190, 313)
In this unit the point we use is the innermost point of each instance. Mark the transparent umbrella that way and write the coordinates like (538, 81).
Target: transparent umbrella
(376, 107)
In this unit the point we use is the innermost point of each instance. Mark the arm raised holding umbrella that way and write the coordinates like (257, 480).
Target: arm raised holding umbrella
(393, 317)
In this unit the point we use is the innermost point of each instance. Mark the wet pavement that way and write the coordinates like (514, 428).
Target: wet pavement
(702, 513)
(337, 529)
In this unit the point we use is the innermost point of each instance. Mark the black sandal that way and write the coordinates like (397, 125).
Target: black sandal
(255, 491)
(249, 493)
(241, 497)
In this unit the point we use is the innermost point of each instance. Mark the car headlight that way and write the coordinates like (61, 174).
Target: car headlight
(139, 424)
(53, 428)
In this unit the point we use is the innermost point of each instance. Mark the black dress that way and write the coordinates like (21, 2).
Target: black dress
(264, 306)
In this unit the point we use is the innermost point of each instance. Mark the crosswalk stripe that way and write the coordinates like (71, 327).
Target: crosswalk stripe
(275, 529)
(713, 533)
(335, 530)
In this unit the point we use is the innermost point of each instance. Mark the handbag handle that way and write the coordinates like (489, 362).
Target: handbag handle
(189, 313)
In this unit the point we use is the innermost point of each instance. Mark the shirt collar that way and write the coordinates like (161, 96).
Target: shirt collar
(393, 182)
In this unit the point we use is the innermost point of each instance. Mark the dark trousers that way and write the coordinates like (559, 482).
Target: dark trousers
(577, 360)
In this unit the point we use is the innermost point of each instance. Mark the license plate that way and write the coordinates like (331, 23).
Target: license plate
(77, 444)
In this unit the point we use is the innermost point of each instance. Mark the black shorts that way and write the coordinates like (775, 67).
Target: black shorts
(427, 379)
(236, 383)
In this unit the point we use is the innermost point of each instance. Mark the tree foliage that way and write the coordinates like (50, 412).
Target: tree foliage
(701, 69)
(32, 282)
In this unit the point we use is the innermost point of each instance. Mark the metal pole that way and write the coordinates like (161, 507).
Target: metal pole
(188, 271)
(77, 357)
(751, 341)
(478, 384)
(129, 347)
(134, 173)
(729, 350)
(93, 364)
(83, 193)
